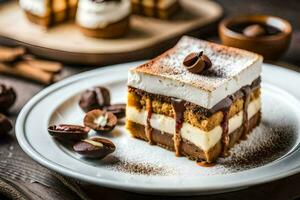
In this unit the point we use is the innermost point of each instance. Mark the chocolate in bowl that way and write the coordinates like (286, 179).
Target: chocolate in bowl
(270, 45)
(270, 30)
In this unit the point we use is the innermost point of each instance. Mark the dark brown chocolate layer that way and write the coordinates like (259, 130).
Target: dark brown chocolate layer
(187, 148)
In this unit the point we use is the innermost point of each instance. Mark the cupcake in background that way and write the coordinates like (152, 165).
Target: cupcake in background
(104, 18)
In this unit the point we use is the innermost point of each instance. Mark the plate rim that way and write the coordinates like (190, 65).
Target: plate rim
(27, 147)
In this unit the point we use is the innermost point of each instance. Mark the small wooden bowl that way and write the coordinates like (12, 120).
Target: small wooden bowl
(269, 46)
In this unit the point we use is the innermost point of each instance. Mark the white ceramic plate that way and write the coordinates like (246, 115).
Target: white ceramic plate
(271, 151)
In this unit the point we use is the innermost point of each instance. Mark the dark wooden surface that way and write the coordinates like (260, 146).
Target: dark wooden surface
(40, 183)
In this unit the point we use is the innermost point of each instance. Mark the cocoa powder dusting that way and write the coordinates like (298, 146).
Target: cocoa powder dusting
(133, 167)
(260, 149)
(138, 168)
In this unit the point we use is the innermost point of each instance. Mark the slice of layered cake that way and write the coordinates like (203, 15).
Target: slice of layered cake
(49, 12)
(104, 18)
(197, 99)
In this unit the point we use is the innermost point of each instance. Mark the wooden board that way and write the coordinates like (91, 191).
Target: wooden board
(65, 42)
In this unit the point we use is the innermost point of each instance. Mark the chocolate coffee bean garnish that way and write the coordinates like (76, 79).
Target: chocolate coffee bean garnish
(7, 97)
(254, 30)
(118, 110)
(95, 147)
(100, 121)
(197, 62)
(68, 133)
(5, 125)
(95, 98)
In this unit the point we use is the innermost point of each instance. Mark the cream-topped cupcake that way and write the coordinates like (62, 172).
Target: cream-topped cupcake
(104, 18)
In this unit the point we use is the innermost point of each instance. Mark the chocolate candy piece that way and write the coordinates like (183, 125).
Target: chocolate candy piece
(5, 125)
(95, 98)
(7, 97)
(118, 110)
(197, 62)
(191, 59)
(68, 133)
(254, 30)
(100, 121)
(207, 61)
(95, 147)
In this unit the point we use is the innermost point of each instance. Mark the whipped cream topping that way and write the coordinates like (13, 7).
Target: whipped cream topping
(36, 7)
(94, 15)
(165, 75)
(202, 139)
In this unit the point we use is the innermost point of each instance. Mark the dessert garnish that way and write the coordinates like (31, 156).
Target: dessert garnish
(197, 62)
(68, 133)
(5, 125)
(254, 30)
(95, 147)
(117, 109)
(7, 97)
(99, 98)
(95, 98)
(100, 121)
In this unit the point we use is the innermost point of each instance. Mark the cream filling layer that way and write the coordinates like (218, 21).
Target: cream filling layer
(202, 139)
(98, 15)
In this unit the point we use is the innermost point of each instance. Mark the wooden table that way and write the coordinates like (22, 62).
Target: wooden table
(40, 183)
